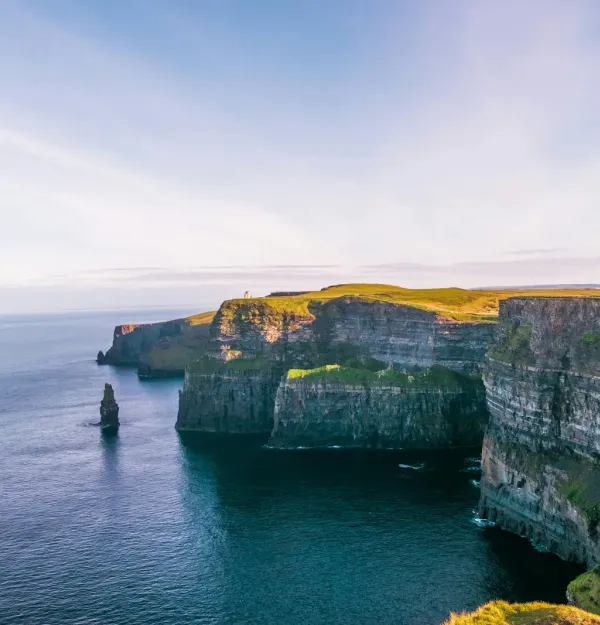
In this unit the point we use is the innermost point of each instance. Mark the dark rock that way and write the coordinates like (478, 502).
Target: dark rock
(101, 358)
(109, 410)
(419, 412)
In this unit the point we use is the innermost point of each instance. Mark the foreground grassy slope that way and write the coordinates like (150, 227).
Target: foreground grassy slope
(503, 613)
(450, 303)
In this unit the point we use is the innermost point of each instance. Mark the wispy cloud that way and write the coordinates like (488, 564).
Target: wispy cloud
(444, 140)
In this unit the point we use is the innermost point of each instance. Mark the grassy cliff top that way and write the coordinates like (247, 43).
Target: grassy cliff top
(434, 376)
(201, 319)
(538, 613)
(449, 303)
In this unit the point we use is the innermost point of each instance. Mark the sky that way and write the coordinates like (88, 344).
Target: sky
(176, 153)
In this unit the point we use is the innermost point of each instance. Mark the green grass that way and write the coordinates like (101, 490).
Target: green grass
(436, 376)
(538, 613)
(586, 590)
(455, 304)
(591, 338)
(201, 319)
(516, 346)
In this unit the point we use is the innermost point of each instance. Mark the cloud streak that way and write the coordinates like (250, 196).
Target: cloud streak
(406, 144)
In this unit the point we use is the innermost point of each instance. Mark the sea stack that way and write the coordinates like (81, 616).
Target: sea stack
(101, 358)
(109, 411)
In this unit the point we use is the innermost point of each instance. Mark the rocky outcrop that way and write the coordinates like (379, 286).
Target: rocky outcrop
(159, 349)
(132, 341)
(109, 410)
(350, 327)
(235, 397)
(335, 406)
(541, 453)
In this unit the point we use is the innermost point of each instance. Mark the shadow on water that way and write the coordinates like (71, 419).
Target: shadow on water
(533, 573)
(110, 444)
(334, 522)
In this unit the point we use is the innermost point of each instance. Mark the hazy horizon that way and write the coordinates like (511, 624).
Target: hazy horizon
(158, 154)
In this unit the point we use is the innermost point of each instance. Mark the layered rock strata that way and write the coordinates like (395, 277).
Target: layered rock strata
(541, 453)
(228, 398)
(327, 332)
(335, 406)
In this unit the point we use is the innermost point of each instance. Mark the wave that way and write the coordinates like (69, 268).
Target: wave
(414, 467)
(482, 522)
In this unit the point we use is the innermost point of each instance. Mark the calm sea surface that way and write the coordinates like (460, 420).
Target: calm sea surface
(149, 529)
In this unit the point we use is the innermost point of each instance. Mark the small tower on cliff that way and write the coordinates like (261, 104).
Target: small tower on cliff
(247, 295)
(109, 411)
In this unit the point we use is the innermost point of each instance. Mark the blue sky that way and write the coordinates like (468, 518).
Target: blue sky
(179, 152)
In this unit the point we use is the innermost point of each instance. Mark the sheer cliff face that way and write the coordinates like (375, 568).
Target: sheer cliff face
(160, 349)
(321, 412)
(228, 401)
(542, 449)
(391, 333)
(131, 341)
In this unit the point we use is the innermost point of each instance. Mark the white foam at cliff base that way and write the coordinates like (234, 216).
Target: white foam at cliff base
(482, 522)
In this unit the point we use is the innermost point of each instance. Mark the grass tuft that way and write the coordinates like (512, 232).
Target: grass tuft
(538, 613)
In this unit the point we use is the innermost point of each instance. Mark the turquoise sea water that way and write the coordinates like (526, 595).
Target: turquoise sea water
(150, 529)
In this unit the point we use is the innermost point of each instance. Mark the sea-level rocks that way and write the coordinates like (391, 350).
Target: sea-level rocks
(235, 397)
(541, 453)
(340, 406)
(109, 410)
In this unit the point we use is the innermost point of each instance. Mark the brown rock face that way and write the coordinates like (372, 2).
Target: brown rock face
(351, 326)
(541, 453)
(109, 409)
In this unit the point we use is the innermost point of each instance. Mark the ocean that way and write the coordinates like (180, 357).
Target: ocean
(149, 528)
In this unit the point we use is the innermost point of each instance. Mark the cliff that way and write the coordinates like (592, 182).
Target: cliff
(422, 327)
(538, 613)
(339, 406)
(311, 331)
(160, 349)
(228, 397)
(361, 326)
(541, 453)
